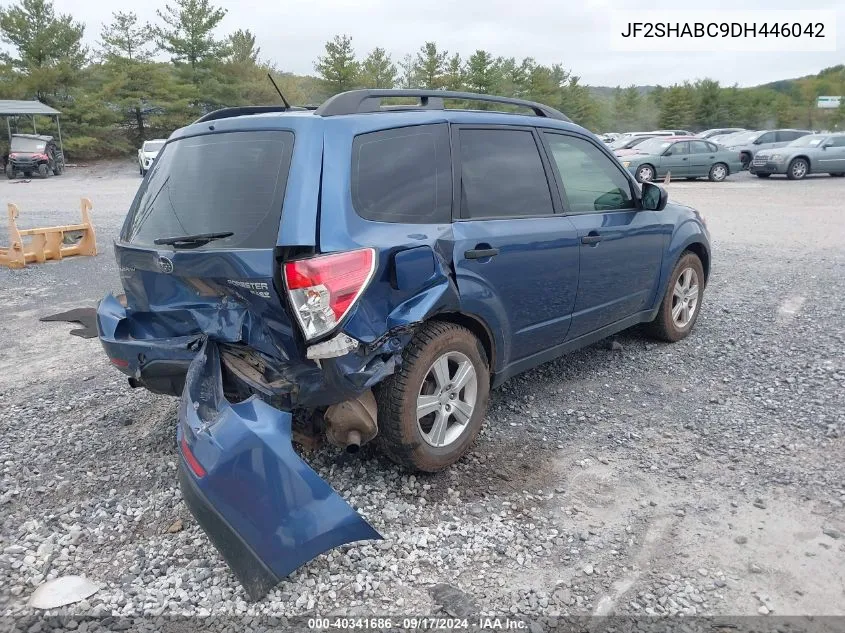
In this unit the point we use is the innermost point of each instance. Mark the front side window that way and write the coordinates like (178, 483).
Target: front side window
(591, 180)
(403, 175)
(768, 137)
(836, 141)
(232, 182)
(502, 175)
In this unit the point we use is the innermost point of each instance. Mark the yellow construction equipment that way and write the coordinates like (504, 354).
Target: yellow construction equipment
(51, 242)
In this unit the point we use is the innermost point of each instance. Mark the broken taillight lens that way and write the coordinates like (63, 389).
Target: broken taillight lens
(323, 289)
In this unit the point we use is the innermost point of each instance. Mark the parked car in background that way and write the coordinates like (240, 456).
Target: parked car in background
(34, 154)
(725, 139)
(811, 154)
(609, 137)
(630, 141)
(723, 131)
(684, 156)
(747, 144)
(672, 133)
(148, 152)
(325, 263)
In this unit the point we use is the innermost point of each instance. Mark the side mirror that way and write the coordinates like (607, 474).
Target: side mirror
(827, 144)
(654, 197)
(758, 142)
(668, 152)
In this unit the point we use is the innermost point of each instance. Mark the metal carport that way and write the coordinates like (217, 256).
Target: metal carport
(30, 109)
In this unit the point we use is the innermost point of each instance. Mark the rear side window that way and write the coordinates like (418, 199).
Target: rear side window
(215, 183)
(403, 175)
(502, 175)
(700, 147)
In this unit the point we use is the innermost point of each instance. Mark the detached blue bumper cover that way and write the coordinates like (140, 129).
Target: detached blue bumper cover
(265, 509)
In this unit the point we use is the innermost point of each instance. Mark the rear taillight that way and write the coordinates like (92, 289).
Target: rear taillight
(193, 463)
(323, 289)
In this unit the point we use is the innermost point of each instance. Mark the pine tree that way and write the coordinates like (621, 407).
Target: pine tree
(453, 79)
(338, 66)
(480, 72)
(188, 31)
(430, 66)
(47, 49)
(378, 70)
(125, 38)
(242, 48)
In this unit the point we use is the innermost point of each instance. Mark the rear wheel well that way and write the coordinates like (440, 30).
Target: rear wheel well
(477, 327)
(701, 253)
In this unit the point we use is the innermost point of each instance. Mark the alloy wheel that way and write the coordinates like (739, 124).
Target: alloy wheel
(685, 298)
(447, 399)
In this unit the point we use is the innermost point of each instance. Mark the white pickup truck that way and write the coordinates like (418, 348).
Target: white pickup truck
(146, 155)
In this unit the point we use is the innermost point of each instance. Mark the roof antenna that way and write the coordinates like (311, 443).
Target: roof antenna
(285, 101)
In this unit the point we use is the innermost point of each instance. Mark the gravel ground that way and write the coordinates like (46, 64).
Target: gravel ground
(701, 478)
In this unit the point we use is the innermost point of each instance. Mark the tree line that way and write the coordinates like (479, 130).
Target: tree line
(120, 92)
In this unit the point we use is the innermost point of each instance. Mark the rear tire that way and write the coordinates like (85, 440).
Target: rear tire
(718, 172)
(439, 352)
(838, 174)
(797, 169)
(684, 291)
(763, 175)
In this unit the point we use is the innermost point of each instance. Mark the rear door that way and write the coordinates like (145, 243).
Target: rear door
(676, 159)
(231, 186)
(702, 157)
(515, 259)
(621, 246)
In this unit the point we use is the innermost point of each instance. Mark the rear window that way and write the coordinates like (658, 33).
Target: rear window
(403, 175)
(215, 183)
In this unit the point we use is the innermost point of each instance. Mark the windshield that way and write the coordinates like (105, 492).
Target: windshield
(741, 138)
(812, 140)
(232, 182)
(153, 146)
(653, 146)
(28, 144)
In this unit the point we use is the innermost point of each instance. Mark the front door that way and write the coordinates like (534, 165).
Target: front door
(516, 260)
(675, 160)
(621, 246)
(832, 156)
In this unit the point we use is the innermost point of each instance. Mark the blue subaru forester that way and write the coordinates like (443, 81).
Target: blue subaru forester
(370, 271)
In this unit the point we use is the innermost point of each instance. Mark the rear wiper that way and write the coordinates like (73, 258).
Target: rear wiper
(192, 240)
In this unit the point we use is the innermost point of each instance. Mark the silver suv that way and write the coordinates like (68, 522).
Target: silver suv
(749, 143)
(814, 153)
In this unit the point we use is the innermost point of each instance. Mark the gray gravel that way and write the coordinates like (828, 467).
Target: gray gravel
(632, 477)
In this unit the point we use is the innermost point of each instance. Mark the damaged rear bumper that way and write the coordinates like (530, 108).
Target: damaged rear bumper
(265, 509)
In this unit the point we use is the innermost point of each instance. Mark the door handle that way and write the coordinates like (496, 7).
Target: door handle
(684, 158)
(481, 253)
(592, 239)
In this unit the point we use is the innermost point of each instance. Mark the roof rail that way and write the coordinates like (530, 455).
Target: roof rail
(357, 101)
(226, 113)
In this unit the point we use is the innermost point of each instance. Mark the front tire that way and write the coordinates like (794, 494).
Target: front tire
(681, 303)
(718, 172)
(10, 172)
(43, 172)
(430, 411)
(838, 174)
(797, 169)
(645, 173)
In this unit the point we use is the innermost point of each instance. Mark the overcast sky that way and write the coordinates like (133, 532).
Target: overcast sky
(292, 33)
